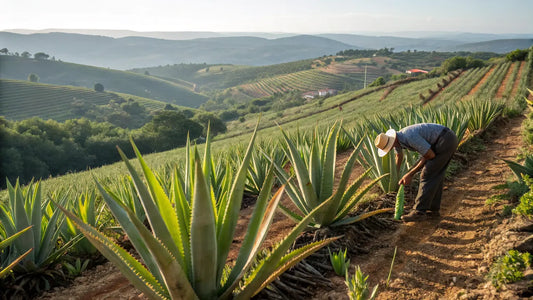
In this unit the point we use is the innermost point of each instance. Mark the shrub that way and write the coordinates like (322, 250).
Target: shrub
(509, 268)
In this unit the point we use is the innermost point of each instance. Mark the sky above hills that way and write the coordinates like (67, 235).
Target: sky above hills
(297, 16)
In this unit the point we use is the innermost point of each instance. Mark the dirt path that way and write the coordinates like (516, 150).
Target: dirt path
(438, 259)
(481, 82)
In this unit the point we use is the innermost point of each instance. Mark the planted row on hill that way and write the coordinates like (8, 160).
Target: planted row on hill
(62, 73)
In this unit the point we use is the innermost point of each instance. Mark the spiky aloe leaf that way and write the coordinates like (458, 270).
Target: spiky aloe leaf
(132, 269)
(361, 217)
(160, 229)
(6, 270)
(255, 235)
(11, 239)
(271, 262)
(229, 214)
(310, 199)
(203, 237)
(398, 207)
(284, 264)
(356, 197)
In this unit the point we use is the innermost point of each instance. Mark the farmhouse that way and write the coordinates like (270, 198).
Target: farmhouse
(416, 71)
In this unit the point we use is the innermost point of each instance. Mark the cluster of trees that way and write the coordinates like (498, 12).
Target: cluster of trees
(227, 110)
(356, 53)
(459, 62)
(26, 54)
(34, 148)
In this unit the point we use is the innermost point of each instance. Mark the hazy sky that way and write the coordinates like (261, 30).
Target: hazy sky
(297, 16)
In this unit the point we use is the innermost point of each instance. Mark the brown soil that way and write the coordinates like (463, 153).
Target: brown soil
(444, 258)
(517, 79)
(505, 82)
(481, 82)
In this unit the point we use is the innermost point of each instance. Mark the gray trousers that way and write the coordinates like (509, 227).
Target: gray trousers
(432, 175)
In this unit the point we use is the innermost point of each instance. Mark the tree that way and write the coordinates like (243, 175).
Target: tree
(99, 87)
(170, 128)
(217, 126)
(517, 55)
(33, 77)
(41, 56)
(4, 51)
(454, 63)
(379, 81)
(25, 54)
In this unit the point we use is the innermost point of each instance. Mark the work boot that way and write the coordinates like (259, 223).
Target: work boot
(415, 216)
(433, 214)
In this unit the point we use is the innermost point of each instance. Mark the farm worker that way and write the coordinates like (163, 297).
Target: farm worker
(436, 145)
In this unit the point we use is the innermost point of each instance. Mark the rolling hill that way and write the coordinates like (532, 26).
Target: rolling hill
(255, 49)
(130, 52)
(21, 100)
(61, 73)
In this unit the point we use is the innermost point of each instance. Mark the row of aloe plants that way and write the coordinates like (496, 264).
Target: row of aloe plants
(193, 210)
(464, 118)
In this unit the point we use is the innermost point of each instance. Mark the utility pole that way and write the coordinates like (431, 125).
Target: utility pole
(364, 86)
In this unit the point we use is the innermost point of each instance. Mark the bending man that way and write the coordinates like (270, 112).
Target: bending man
(436, 145)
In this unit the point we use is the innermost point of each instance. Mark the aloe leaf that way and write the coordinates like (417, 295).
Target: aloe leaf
(355, 199)
(398, 208)
(291, 259)
(227, 219)
(20, 218)
(175, 279)
(309, 197)
(34, 201)
(124, 219)
(6, 270)
(153, 215)
(361, 217)
(166, 211)
(289, 213)
(336, 204)
(328, 164)
(203, 238)
(132, 269)
(256, 233)
(271, 263)
(9, 240)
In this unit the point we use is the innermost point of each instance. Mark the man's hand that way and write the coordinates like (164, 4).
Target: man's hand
(406, 179)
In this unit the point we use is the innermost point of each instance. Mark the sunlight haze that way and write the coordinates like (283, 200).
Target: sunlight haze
(298, 16)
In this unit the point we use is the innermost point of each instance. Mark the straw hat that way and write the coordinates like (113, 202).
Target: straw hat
(385, 142)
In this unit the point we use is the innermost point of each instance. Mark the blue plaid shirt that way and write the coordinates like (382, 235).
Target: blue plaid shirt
(419, 137)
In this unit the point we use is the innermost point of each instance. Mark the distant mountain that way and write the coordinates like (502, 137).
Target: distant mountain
(167, 35)
(130, 52)
(398, 43)
(498, 46)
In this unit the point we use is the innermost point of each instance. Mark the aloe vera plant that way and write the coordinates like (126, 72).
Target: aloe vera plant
(339, 262)
(313, 184)
(85, 208)
(519, 170)
(26, 208)
(7, 263)
(185, 256)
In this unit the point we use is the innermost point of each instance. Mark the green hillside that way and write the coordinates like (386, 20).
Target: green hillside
(356, 107)
(61, 73)
(23, 99)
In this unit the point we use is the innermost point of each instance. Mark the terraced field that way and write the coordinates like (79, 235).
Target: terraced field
(308, 80)
(22, 99)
